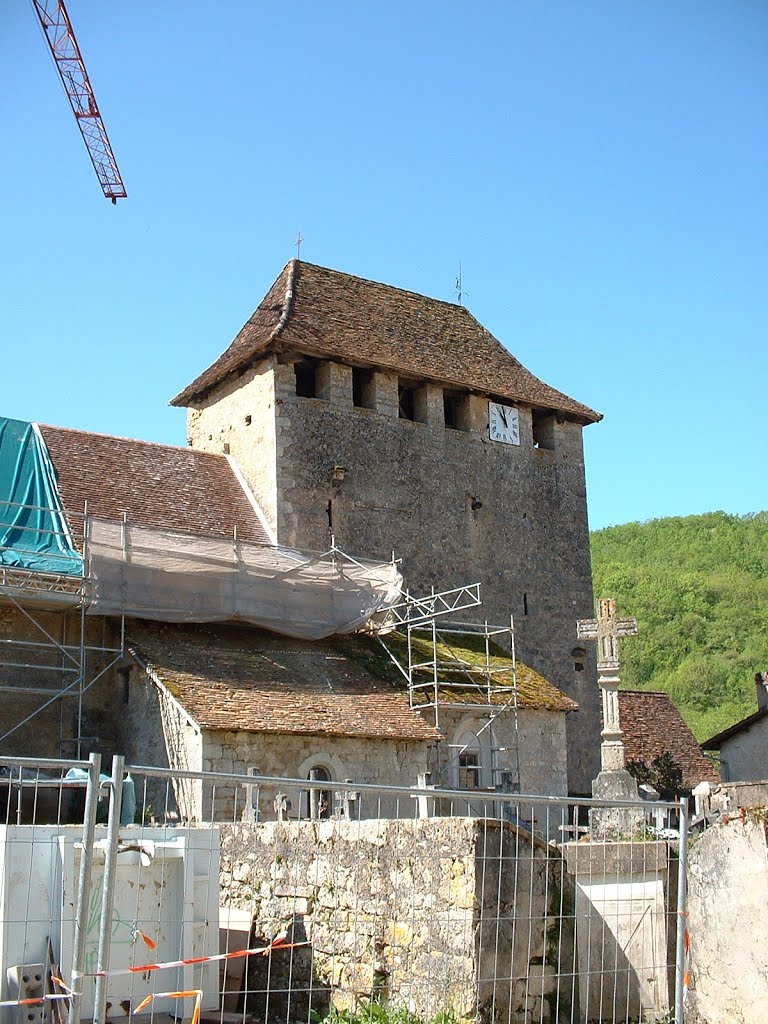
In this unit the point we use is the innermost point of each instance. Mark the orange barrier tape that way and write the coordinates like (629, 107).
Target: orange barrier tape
(686, 963)
(149, 943)
(278, 944)
(39, 1000)
(196, 992)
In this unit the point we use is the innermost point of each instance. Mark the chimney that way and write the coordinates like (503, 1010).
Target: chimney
(761, 682)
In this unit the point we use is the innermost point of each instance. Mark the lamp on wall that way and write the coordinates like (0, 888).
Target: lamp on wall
(338, 473)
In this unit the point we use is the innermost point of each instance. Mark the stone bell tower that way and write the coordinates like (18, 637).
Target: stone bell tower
(396, 422)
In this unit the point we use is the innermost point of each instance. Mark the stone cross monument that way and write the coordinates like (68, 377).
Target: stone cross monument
(614, 782)
(607, 630)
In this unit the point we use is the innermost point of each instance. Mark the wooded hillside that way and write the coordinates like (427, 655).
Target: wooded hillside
(698, 586)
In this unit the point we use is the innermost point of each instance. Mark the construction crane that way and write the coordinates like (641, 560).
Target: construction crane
(58, 32)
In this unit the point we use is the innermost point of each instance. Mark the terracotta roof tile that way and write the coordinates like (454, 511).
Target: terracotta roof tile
(230, 677)
(652, 725)
(156, 485)
(327, 313)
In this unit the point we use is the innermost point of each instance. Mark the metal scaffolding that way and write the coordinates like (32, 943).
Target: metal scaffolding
(54, 668)
(440, 675)
(59, 658)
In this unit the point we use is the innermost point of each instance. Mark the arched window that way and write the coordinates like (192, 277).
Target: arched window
(471, 756)
(469, 769)
(320, 801)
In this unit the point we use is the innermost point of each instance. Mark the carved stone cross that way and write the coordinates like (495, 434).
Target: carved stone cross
(608, 630)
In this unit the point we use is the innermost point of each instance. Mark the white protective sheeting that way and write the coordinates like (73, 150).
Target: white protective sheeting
(173, 577)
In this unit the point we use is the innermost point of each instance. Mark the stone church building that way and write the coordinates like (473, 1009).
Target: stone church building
(352, 413)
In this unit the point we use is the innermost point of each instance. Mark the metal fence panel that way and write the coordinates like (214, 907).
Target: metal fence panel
(47, 809)
(244, 898)
(303, 900)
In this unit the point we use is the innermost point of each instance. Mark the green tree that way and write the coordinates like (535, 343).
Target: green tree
(663, 773)
(698, 586)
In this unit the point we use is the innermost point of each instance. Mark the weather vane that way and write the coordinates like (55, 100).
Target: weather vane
(297, 243)
(459, 293)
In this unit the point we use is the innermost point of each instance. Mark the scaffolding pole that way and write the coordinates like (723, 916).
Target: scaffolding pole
(78, 663)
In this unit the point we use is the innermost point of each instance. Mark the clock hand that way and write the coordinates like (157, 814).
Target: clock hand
(503, 415)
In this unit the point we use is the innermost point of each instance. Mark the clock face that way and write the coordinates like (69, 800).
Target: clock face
(503, 423)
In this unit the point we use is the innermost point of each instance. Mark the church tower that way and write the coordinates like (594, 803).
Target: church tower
(396, 422)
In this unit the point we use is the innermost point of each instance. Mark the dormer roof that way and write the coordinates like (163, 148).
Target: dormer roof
(325, 313)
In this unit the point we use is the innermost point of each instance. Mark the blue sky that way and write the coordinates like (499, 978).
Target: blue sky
(598, 168)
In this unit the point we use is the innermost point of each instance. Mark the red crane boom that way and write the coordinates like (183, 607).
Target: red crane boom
(57, 30)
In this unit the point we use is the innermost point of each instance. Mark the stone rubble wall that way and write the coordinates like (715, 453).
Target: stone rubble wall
(154, 730)
(459, 915)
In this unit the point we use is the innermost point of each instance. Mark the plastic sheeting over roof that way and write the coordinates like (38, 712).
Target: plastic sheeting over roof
(33, 530)
(172, 577)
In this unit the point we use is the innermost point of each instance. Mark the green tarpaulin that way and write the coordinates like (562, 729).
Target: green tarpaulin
(33, 529)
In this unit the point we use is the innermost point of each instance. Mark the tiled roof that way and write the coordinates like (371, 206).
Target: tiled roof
(652, 725)
(326, 313)
(157, 485)
(229, 677)
(233, 677)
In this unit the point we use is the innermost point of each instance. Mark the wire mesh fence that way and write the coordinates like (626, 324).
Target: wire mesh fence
(243, 898)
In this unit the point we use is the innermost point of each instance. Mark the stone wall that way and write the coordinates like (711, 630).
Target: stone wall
(746, 754)
(242, 424)
(454, 506)
(727, 897)
(536, 744)
(156, 731)
(458, 915)
(283, 755)
(741, 794)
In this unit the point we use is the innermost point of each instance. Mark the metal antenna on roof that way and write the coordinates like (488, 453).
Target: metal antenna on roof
(297, 243)
(459, 293)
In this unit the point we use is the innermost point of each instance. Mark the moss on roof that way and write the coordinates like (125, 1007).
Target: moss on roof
(467, 672)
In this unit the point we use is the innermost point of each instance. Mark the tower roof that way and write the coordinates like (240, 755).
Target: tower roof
(328, 314)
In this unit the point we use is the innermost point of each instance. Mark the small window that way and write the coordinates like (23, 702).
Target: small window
(456, 410)
(451, 411)
(469, 770)
(320, 800)
(362, 388)
(406, 402)
(543, 430)
(306, 378)
(579, 656)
